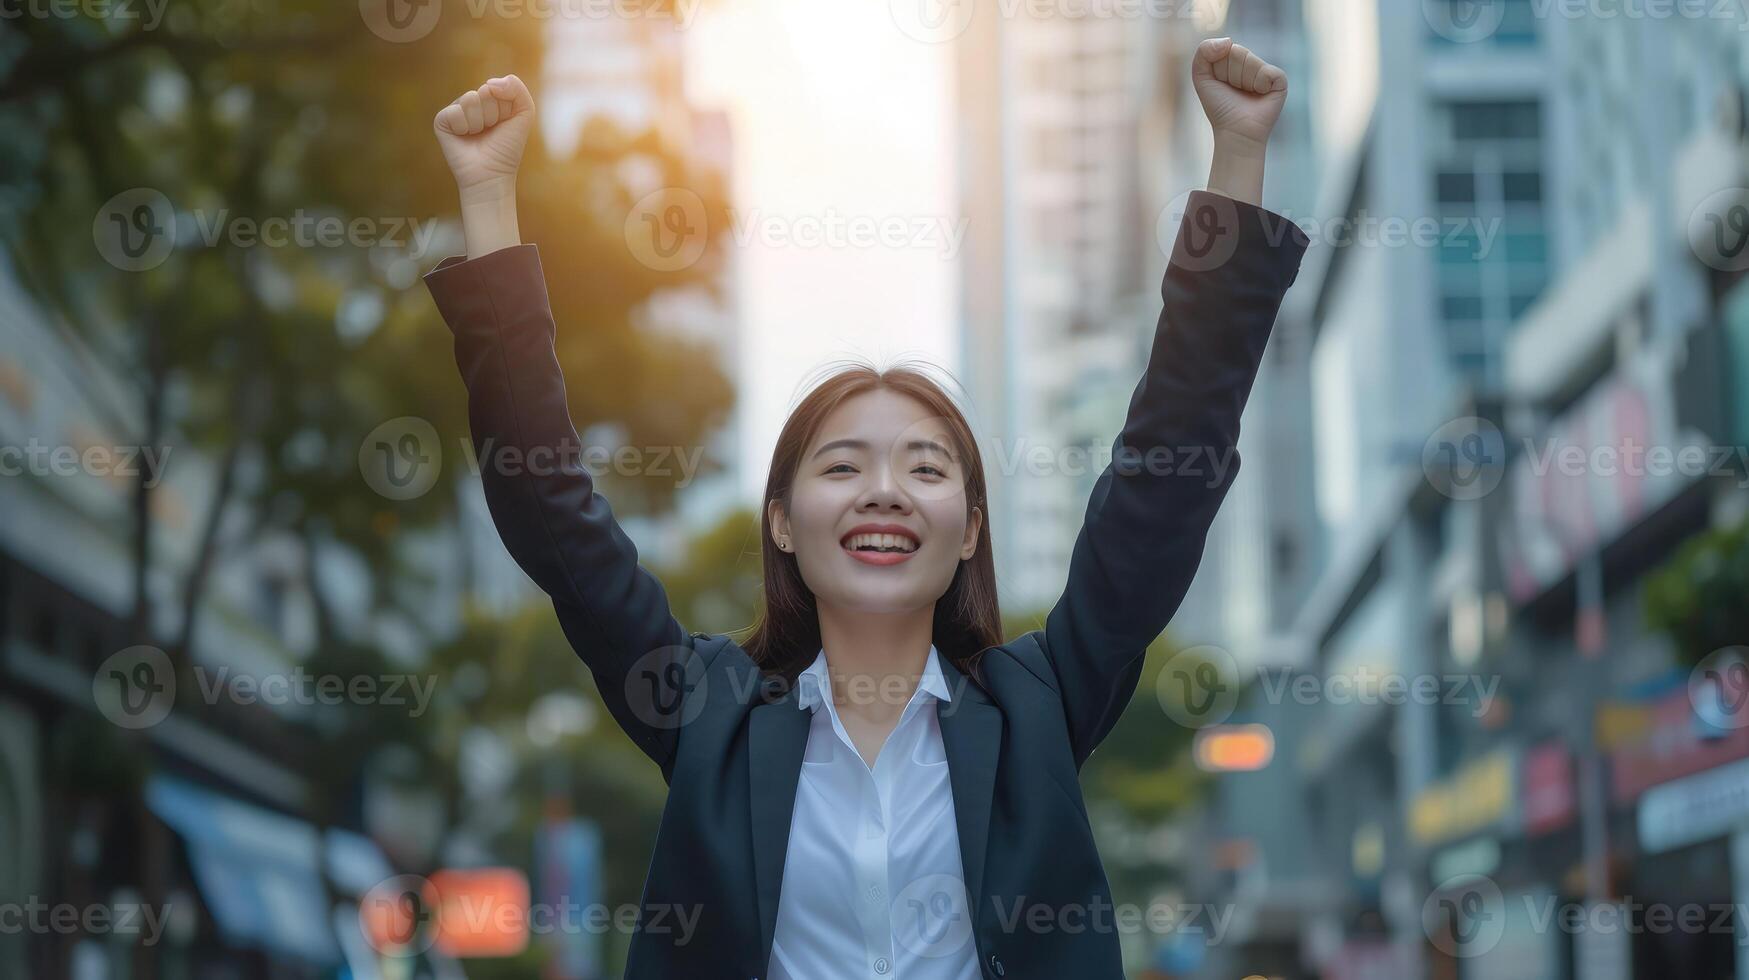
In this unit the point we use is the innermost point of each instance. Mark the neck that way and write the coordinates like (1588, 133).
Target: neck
(875, 659)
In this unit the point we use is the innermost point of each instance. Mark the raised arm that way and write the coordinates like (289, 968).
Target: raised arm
(1150, 511)
(542, 499)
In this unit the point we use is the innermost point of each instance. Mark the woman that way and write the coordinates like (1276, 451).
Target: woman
(873, 784)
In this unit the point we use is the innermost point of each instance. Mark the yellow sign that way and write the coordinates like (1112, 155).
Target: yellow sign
(1475, 797)
(1620, 724)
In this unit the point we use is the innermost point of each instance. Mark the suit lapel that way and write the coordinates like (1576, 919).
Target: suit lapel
(777, 737)
(971, 737)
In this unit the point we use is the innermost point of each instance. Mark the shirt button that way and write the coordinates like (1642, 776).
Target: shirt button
(996, 966)
(881, 966)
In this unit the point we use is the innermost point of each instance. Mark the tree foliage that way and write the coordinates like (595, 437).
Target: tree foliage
(1697, 598)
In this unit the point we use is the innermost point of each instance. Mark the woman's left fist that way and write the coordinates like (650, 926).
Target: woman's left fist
(1241, 94)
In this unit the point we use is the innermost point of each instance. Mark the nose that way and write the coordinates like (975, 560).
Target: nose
(883, 493)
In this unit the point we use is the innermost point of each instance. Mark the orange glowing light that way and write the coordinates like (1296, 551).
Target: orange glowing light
(1233, 748)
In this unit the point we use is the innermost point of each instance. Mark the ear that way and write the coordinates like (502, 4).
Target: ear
(974, 524)
(778, 520)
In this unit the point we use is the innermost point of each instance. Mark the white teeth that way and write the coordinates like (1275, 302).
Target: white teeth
(887, 541)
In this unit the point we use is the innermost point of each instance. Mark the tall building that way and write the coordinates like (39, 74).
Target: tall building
(1576, 299)
(1052, 270)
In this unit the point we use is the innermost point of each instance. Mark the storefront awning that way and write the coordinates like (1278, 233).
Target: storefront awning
(259, 871)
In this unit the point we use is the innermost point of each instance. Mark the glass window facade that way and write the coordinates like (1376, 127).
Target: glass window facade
(1474, 22)
(1492, 262)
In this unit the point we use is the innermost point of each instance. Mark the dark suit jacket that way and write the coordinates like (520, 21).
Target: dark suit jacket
(729, 740)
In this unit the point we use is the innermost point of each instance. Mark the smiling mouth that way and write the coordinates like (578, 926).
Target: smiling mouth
(880, 549)
(880, 543)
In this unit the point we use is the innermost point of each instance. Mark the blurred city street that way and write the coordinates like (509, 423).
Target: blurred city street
(1460, 690)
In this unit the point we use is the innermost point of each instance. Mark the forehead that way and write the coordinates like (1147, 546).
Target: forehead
(880, 416)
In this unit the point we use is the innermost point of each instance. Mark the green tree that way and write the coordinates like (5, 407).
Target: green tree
(275, 363)
(1697, 597)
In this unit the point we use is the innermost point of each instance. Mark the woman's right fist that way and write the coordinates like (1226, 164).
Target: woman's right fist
(483, 133)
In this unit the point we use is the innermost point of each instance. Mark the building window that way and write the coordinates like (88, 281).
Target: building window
(1492, 263)
(1462, 23)
(1457, 188)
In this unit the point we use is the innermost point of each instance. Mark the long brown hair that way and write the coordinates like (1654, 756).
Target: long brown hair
(968, 618)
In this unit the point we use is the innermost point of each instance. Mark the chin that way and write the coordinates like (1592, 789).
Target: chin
(883, 601)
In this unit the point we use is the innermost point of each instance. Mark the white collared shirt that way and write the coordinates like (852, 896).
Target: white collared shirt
(872, 883)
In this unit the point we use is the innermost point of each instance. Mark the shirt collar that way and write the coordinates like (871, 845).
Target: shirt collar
(813, 683)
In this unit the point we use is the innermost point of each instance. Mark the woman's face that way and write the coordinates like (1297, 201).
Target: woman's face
(880, 461)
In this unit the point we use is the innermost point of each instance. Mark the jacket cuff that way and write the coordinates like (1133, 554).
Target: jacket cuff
(496, 288)
(1220, 235)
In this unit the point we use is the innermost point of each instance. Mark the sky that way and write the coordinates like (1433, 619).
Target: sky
(840, 120)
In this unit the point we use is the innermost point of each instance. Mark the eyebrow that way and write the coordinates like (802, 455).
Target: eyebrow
(863, 444)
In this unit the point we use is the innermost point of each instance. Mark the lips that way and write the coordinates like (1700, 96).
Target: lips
(880, 544)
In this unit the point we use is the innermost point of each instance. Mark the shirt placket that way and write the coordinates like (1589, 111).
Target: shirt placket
(871, 851)
(871, 878)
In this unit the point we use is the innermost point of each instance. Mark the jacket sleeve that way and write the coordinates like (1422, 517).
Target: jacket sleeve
(543, 501)
(1150, 510)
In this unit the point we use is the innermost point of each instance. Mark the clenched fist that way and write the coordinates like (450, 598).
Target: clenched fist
(484, 132)
(1241, 94)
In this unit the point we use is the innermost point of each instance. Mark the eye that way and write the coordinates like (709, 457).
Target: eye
(836, 466)
(930, 467)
